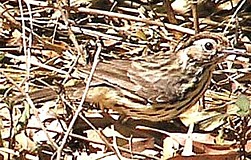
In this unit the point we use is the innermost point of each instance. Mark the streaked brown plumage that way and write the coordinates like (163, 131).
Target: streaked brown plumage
(156, 87)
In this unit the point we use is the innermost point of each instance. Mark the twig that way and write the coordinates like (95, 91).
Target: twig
(28, 99)
(235, 13)
(80, 107)
(133, 18)
(37, 64)
(195, 16)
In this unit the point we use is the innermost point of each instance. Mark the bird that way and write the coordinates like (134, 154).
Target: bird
(156, 87)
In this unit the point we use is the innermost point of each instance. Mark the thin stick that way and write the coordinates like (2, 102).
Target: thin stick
(234, 15)
(195, 16)
(80, 107)
(28, 99)
(133, 18)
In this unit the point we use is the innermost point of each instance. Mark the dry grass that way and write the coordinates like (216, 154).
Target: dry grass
(46, 43)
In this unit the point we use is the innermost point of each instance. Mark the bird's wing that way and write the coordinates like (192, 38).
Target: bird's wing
(146, 79)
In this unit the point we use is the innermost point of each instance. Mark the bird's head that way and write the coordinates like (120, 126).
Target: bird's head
(203, 49)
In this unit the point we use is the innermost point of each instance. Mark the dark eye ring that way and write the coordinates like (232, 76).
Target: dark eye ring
(209, 46)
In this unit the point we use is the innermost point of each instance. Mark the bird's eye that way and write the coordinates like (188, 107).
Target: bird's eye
(209, 46)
